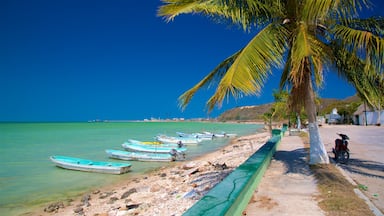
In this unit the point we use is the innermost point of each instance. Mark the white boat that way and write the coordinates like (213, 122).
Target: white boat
(90, 165)
(220, 134)
(178, 140)
(145, 156)
(151, 148)
(201, 136)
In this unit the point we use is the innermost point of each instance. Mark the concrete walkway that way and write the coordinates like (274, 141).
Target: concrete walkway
(287, 187)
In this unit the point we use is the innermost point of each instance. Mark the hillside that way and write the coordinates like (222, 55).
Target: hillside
(255, 113)
(245, 113)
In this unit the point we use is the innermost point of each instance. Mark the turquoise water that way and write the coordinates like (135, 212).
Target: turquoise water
(28, 178)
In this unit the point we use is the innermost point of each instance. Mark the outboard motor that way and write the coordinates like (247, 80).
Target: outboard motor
(177, 155)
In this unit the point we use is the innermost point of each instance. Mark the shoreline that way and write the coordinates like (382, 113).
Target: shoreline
(168, 190)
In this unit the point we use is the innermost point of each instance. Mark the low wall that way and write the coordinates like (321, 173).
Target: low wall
(232, 195)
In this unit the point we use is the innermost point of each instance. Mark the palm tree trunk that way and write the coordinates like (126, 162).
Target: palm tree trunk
(317, 153)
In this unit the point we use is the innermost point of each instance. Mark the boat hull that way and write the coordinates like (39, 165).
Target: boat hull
(178, 140)
(153, 149)
(154, 143)
(139, 156)
(85, 165)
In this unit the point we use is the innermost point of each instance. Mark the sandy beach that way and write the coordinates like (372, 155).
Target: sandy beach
(167, 191)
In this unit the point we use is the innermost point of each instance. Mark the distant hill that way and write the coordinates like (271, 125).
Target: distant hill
(245, 113)
(255, 113)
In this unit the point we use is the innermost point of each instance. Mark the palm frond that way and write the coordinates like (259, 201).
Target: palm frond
(245, 13)
(372, 24)
(213, 76)
(249, 71)
(368, 83)
(345, 10)
(284, 80)
(368, 46)
(316, 10)
(300, 50)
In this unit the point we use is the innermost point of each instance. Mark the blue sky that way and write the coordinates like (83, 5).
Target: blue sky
(69, 60)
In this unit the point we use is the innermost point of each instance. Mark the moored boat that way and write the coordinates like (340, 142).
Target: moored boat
(178, 140)
(150, 148)
(145, 142)
(201, 136)
(155, 143)
(145, 156)
(86, 165)
(220, 134)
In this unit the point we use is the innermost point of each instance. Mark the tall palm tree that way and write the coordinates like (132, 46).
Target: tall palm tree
(300, 37)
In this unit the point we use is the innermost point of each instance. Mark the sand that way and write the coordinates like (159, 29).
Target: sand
(167, 191)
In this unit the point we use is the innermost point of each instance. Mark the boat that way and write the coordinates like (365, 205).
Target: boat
(150, 148)
(86, 165)
(145, 156)
(155, 143)
(145, 142)
(179, 140)
(201, 136)
(220, 134)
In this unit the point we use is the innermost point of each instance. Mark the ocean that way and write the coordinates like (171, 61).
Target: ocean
(28, 179)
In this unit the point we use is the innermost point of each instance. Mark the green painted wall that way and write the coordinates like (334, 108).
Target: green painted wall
(231, 196)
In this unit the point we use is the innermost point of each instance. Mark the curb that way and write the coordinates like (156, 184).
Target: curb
(360, 194)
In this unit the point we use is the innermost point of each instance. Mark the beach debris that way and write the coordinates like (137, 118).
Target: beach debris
(85, 200)
(192, 194)
(193, 171)
(79, 210)
(54, 207)
(188, 166)
(105, 194)
(132, 206)
(112, 200)
(204, 182)
(221, 166)
(128, 193)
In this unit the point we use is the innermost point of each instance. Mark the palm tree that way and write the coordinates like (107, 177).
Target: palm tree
(302, 38)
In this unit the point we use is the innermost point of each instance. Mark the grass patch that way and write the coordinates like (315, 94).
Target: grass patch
(336, 193)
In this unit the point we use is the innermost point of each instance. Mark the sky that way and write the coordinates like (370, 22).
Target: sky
(71, 60)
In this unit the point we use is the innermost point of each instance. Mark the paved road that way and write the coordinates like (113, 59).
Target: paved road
(366, 164)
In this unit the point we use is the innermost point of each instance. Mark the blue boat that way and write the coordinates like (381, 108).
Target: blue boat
(145, 156)
(90, 165)
(151, 148)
